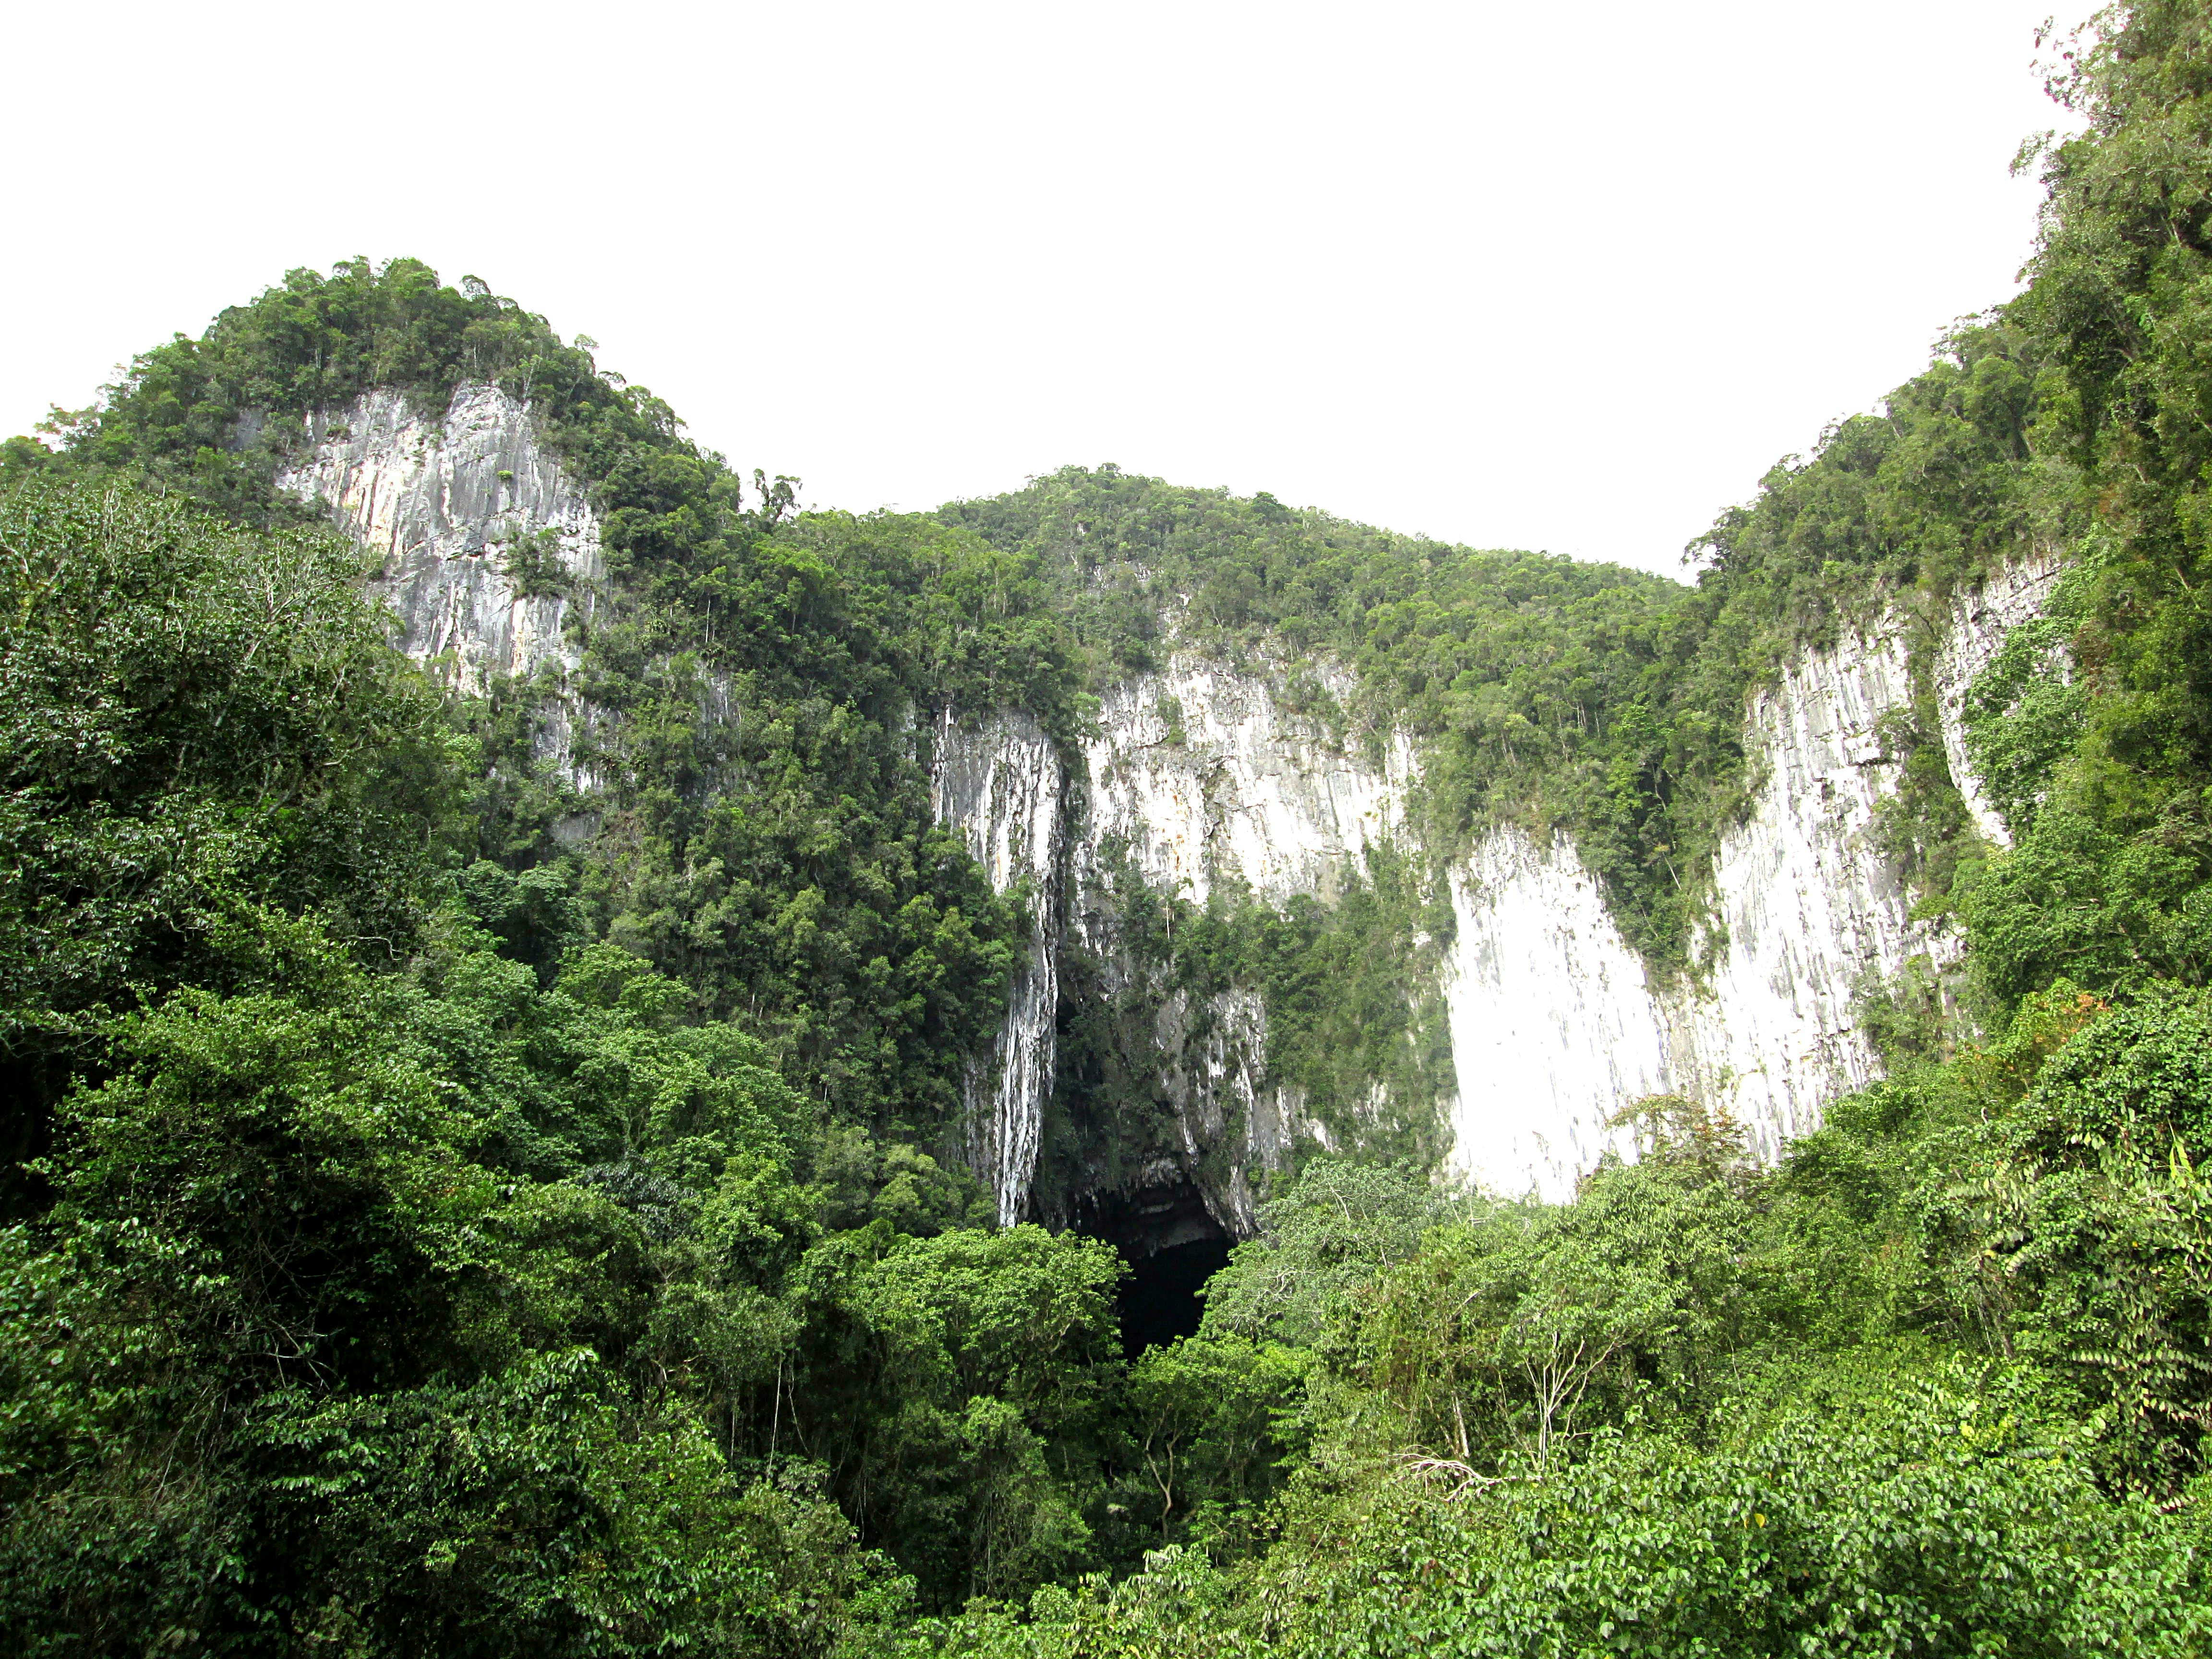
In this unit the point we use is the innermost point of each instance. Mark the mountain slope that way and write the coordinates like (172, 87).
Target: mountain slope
(527, 1136)
(1490, 727)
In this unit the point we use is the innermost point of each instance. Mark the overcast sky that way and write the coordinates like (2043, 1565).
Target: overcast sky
(1516, 275)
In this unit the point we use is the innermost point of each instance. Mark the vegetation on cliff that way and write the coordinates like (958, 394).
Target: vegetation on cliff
(428, 1235)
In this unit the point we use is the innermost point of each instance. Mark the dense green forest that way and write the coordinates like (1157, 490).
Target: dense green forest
(425, 1233)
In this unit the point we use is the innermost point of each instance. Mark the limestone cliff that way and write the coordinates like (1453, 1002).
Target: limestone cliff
(488, 546)
(1004, 787)
(1555, 1024)
(1198, 775)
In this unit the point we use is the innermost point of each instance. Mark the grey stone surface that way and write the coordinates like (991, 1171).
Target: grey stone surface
(442, 498)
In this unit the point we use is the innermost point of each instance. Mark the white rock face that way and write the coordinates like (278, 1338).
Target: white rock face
(440, 499)
(1554, 1024)
(1250, 792)
(1002, 787)
(1812, 912)
(1979, 622)
(1203, 778)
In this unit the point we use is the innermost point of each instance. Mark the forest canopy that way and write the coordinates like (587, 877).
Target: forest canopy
(432, 1229)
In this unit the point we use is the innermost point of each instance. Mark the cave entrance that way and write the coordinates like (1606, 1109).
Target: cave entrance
(1173, 1245)
(1159, 1300)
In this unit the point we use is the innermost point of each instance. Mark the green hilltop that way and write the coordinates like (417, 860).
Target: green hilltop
(432, 1230)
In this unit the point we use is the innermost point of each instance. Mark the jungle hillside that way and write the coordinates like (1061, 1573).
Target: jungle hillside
(426, 1231)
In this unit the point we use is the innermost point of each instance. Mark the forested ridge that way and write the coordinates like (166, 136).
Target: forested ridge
(431, 1232)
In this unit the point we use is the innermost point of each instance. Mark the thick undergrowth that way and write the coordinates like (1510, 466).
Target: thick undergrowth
(427, 1235)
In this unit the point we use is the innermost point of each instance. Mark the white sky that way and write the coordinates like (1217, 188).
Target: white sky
(1516, 275)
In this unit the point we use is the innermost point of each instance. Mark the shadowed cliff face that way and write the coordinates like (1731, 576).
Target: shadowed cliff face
(1195, 780)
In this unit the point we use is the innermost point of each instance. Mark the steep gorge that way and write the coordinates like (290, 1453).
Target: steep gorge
(1195, 779)
(514, 1128)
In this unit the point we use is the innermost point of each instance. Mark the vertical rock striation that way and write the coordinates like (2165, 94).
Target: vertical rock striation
(1198, 776)
(1979, 621)
(1001, 785)
(456, 506)
(1555, 1024)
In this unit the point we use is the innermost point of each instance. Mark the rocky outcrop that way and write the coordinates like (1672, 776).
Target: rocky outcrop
(1201, 775)
(488, 545)
(1002, 787)
(1979, 620)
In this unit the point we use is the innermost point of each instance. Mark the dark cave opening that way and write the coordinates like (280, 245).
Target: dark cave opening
(1159, 1299)
(1173, 1245)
